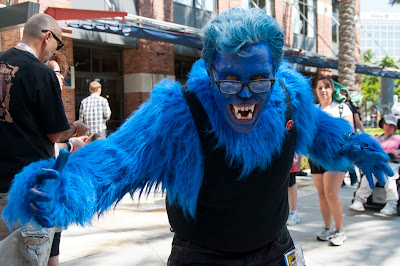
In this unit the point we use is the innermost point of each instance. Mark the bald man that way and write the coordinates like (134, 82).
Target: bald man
(32, 119)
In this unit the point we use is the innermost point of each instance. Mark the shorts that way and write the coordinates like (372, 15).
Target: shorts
(292, 179)
(55, 247)
(316, 169)
(27, 245)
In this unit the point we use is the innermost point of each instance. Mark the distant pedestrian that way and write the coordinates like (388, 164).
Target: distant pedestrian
(328, 183)
(95, 111)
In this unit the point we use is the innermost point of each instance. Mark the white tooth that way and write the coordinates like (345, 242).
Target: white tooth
(250, 116)
(246, 108)
(239, 116)
(235, 108)
(252, 107)
(242, 108)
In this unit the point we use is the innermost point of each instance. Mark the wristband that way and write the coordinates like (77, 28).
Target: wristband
(69, 146)
(76, 130)
(72, 147)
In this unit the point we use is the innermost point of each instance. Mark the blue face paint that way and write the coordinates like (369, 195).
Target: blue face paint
(243, 110)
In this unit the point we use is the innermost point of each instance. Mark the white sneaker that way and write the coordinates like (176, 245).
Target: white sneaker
(357, 206)
(293, 218)
(389, 209)
(325, 234)
(338, 238)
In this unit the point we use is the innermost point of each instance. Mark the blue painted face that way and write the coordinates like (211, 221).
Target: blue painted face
(243, 110)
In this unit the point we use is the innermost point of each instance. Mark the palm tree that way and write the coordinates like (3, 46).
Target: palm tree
(392, 2)
(347, 61)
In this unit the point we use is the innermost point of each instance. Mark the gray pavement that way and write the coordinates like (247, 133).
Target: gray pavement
(138, 234)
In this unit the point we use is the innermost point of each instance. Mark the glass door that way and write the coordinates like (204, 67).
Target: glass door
(111, 89)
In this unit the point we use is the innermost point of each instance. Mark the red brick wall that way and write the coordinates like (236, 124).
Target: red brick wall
(46, 3)
(68, 94)
(324, 40)
(283, 15)
(132, 101)
(153, 57)
(324, 28)
(10, 38)
(225, 5)
(150, 57)
(68, 97)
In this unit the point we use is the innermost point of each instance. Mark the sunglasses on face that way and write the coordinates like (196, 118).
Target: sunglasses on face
(60, 44)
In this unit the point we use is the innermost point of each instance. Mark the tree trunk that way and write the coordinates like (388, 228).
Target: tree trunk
(347, 39)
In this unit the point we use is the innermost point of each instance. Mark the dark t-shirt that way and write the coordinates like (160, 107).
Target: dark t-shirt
(31, 107)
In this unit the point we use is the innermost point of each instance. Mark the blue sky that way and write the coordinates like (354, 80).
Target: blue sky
(378, 6)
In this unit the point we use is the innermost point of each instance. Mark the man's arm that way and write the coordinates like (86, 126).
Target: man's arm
(337, 149)
(77, 129)
(81, 116)
(106, 110)
(358, 122)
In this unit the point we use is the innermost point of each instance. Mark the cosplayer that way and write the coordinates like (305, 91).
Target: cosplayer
(221, 148)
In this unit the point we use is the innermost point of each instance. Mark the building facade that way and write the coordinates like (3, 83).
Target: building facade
(380, 32)
(128, 67)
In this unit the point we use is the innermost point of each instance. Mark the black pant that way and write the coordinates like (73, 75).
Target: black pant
(186, 253)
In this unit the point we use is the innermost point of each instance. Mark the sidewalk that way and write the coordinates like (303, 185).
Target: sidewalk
(133, 235)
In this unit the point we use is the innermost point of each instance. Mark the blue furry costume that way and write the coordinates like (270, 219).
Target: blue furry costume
(159, 144)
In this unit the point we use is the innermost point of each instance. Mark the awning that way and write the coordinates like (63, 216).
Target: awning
(152, 34)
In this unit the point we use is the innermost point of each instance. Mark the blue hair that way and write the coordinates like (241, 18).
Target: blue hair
(238, 27)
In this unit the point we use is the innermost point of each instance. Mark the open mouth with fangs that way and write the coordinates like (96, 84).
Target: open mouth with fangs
(243, 112)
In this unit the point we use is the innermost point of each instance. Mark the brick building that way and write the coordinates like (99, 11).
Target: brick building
(128, 67)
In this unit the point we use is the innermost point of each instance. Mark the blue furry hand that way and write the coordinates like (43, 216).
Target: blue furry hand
(368, 155)
(43, 195)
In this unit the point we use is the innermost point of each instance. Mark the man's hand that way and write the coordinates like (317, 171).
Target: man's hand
(368, 155)
(83, 129)
(43, 195)
(79, 142)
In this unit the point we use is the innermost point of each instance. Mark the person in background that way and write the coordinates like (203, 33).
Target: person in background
(32, 119)
(390, 142)
(95, 111)
(328, 183)
(59, 64)
(292, 194)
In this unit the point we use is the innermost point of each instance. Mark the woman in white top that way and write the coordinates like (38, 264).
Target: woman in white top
(329, 183)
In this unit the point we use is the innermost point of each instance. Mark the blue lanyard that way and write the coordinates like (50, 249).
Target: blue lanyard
(382, 140)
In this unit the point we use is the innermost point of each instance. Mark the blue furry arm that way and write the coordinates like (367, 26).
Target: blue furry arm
(336, 149)
(368, 155)
(157, 146)
(300, 91)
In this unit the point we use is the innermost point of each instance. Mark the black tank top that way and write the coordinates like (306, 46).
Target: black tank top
(235, 215)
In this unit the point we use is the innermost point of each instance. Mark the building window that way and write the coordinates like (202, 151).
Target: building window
(304, 16)
(207, 5)
(335, 21)
(266, 5)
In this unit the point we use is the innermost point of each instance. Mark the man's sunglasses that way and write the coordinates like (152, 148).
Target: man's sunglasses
(60, 44)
